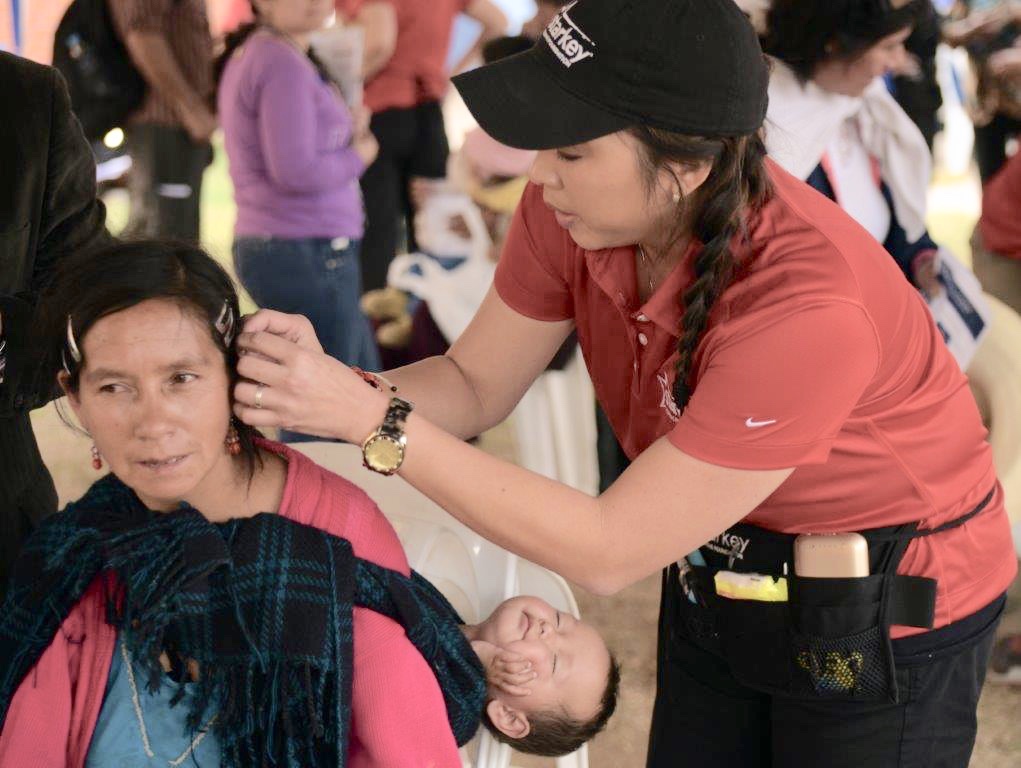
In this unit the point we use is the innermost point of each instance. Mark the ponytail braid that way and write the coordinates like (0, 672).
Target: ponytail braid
(736, 186)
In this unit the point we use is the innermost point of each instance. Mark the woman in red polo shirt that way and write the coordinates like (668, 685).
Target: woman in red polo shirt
(762, 361)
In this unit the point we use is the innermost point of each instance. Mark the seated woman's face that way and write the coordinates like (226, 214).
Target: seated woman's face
(154, 395)
(569, 657)
(852, 77)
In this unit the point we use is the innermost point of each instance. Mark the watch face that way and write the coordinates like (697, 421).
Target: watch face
(384, 453)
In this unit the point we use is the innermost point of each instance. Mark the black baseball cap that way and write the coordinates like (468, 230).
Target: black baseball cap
(688, 66)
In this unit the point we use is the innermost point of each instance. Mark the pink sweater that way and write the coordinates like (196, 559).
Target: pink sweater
(398, 715)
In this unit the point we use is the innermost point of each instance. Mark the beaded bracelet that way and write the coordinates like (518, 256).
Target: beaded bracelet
(374, 380)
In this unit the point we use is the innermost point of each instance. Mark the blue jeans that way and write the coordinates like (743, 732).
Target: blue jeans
(315, 277)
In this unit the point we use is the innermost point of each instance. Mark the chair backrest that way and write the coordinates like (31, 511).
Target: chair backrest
(471, 572)
(423, 526)
(995, 378)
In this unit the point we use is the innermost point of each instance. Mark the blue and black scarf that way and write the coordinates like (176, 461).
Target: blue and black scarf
(262, 604)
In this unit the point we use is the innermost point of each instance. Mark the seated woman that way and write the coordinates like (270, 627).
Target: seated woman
(216, 570)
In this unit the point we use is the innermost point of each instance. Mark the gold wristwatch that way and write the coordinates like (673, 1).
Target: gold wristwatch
(383, 450)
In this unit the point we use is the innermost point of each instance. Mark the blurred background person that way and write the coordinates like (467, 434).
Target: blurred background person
(834, 124)
(996, 243)
(296, 153)
(168, 136)
(988, 30)
(403, 90)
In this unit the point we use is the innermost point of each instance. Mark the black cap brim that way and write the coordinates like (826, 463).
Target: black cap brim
(518, 103)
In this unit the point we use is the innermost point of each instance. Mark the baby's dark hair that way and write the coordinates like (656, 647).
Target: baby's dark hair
(90, 285)
(553, 734)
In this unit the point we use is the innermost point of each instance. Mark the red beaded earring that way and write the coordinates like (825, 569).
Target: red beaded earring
(233, 441)
(97, 460)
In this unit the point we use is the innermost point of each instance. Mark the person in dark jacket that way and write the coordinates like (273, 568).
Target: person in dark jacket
(48, 209)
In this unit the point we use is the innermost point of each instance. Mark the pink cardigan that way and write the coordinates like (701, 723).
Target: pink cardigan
(398, 715)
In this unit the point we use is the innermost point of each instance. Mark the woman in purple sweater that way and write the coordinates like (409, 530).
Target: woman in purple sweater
(296, 155)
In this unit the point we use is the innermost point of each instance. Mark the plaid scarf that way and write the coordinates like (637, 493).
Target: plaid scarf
(263, 604)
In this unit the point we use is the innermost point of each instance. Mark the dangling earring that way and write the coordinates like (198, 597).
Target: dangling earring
(677, 196)
(97, 460)
(233, 441)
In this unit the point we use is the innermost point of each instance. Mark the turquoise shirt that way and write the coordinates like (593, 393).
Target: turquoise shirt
(137, 728)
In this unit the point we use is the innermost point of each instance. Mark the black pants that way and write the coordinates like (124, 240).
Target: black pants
(27, 494)
(704, 717)
(165, 182)
(412, 143)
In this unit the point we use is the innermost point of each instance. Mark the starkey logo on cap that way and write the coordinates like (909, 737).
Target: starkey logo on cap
(566, 40)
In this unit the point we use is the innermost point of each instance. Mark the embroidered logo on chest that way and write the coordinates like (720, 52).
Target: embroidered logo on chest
(667, 400)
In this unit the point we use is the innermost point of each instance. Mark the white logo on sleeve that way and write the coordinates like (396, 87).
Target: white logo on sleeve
(753, 424)
(567, 42)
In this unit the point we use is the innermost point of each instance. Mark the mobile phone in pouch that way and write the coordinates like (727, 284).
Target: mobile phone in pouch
(831, 555)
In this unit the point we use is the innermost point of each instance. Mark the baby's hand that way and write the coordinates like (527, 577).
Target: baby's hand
(512, 673)
(507, 671)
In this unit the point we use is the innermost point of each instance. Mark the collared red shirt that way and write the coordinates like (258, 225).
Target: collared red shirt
(818, 356)
(417, 71)
(1000, 225)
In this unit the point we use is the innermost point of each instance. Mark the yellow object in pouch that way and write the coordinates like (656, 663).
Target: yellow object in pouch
(751, 586)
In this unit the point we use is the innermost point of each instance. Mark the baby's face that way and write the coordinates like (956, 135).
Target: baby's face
(569, 657)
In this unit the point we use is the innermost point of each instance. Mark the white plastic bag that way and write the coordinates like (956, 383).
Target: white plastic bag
(455, 294)
(340, 49)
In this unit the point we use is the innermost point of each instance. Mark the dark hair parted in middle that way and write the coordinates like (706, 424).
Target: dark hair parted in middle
(92, 285)
(804, 33)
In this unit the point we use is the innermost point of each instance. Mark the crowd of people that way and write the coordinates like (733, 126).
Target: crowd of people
(721, 204)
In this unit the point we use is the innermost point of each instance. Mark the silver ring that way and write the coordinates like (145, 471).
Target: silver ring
(258, 395)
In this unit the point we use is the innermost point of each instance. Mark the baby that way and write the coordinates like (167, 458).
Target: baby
(553, 683)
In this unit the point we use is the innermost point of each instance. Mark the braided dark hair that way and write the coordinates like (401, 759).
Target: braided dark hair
(718, 211)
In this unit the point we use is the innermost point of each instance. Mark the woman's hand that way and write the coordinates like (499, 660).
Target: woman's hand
(295, 328)
(363, 140)
(289, 382)
(366, 147)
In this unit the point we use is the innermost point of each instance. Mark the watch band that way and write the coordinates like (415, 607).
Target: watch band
(396, 416)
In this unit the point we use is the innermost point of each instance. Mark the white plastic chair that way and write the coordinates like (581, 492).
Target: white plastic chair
(995, 378)
(474, 574)
(555, 427)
